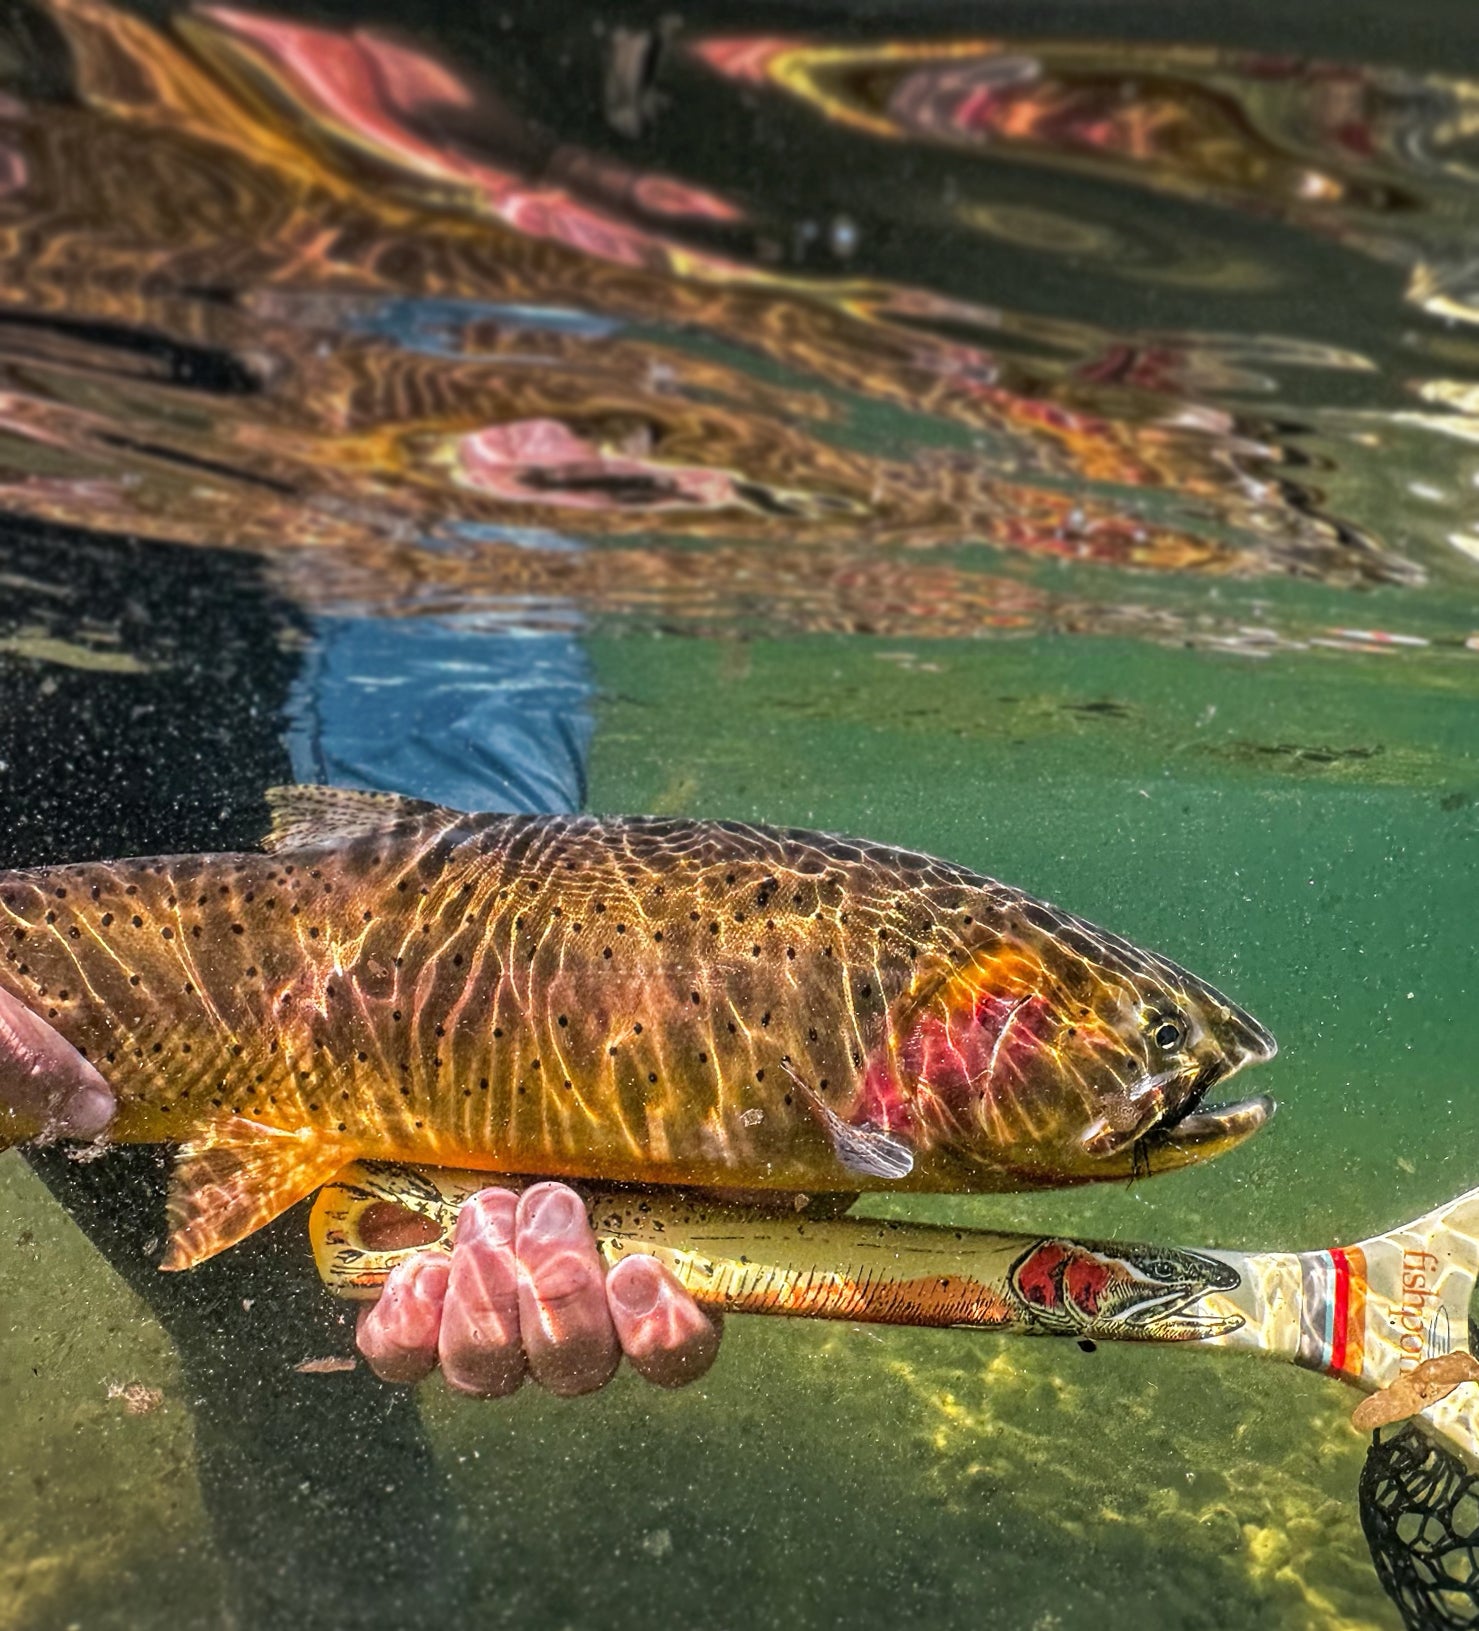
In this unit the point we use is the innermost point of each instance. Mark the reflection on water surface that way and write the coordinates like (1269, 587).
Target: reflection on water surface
(1050, 449)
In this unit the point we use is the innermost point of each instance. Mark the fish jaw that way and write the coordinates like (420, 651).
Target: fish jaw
(1159, 1144)
(1199, 1131)
(1206, 1133)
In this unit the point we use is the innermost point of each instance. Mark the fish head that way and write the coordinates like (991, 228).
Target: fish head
(1065, 1054)
(1119, 1291)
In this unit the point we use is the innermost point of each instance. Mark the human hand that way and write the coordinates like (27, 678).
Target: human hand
(524, 1292)
(47, 1089)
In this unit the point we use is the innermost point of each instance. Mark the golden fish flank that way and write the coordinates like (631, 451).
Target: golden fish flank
(635, 999)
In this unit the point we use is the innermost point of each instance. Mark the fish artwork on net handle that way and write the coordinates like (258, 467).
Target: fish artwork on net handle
(1379, 1315)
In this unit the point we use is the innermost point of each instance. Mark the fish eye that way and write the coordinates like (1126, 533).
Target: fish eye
(1168, 1032)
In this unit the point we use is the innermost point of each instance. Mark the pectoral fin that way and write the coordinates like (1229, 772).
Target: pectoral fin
(868, 1151)
(236, 1177)
(864, 1150)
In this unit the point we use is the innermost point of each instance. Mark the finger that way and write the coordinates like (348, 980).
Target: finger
(664, 1333)
(398, 1336)
(479, 1345)
(47, 1089)
(566, 1325)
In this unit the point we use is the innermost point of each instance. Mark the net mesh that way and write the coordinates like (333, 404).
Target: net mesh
(1420, 1512)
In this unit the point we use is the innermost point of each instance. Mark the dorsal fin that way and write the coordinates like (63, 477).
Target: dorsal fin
(308, 817)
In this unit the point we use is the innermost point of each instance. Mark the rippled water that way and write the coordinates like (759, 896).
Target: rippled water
(1052, 442)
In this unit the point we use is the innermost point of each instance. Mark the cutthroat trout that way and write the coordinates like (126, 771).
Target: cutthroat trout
(632, 999)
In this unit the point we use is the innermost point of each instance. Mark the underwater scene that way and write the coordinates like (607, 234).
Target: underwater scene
(1040, 437)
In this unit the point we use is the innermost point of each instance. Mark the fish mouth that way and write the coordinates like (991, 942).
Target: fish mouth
(1213, 1129)
(1174, 1316)
(1193, 1131)
(1176, 1126)
(1198, 1130)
